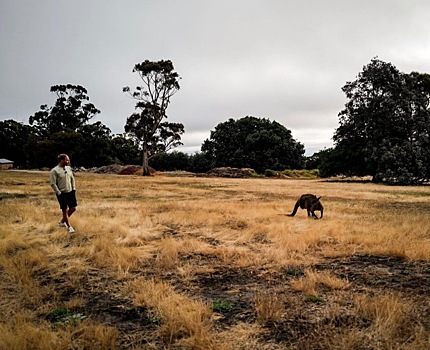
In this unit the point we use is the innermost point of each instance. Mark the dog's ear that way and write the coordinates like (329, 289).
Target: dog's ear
(315, 200)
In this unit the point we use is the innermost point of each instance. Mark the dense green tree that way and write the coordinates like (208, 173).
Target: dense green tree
(70, 111)
(96, 148)
(171, 161)
(196, 163)
(313, 161)
(43, 151)
(199, 163)
(385, 126)
(125, 150)
(13, 138)
(160, 83)
(252, 142)
(328, 162)
(65, 128)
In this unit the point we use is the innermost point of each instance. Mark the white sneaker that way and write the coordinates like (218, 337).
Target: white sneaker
(61, 224)
(70, 229)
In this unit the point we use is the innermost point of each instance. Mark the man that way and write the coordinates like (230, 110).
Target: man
(63, 183)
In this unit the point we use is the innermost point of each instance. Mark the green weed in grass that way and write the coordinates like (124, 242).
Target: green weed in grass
(222, 306)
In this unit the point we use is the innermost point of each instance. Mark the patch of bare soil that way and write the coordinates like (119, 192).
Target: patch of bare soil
(368, 275)
(305, 320)
(302, 323)
(388, 273)
(103, 303)
(5, 195)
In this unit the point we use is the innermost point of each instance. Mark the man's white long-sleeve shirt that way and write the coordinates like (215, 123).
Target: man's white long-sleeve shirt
(62, 179)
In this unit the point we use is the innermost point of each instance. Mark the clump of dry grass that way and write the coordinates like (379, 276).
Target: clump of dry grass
(168, 255)
(389, 323)
(90, 336)
(389, 315)
(20, 333)
(309, 283)
(269, 306)
(384, 321)
(19, 272)
(244, 336)
(182, 318)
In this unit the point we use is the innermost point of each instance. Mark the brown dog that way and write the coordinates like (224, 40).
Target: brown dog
(309, 202)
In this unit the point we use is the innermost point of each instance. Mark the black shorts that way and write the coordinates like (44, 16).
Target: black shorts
(67, 199)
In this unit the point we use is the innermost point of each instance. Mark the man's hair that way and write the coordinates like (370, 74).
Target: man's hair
(61, 157)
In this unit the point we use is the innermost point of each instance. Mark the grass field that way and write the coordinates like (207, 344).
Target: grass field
(209, 263)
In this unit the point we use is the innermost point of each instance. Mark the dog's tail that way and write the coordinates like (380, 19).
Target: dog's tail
(295, 209)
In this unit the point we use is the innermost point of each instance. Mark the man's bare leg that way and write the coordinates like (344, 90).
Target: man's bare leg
(71, 211)
(65, 218)
(68, 213)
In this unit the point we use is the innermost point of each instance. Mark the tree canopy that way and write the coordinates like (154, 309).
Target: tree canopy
(384, 131)
(252, 142)
(385, 126)
(65, 128)
(69, 112)
(13, 138)
(160, 83)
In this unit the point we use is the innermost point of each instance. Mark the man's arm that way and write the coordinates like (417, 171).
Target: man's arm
(53, 180)
(72, 181)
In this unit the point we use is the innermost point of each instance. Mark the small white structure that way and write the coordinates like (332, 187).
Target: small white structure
(5, 164)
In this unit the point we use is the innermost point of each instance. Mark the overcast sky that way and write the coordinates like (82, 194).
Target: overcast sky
(279, 59)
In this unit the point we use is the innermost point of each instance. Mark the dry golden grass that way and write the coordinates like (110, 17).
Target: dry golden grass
(181, 317)
(151, 255)
(269, 306)
(312, 280)
(21, 334)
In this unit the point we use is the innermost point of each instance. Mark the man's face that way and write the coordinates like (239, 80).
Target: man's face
(65, 161)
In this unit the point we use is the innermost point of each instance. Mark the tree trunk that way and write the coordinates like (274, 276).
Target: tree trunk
(145, 161)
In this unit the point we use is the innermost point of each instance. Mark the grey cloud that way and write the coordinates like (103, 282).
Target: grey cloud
(283, 60)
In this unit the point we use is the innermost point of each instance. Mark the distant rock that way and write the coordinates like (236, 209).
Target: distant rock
(120, 170)
(107, 169)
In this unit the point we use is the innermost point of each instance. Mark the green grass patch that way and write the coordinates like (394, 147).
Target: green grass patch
(222, 306)
(63, 316)
(292, 271)
(314, 299)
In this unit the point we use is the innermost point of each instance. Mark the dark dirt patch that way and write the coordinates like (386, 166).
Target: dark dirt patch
(104, 305)
(384, 274)
(235, 287)
(368, 274)
(210, 240)
(119, 312)
(291, 331)
(393, 273)
(302, 323)
(227, 279)
(200, 259)
(4, 195)
(407, 206)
